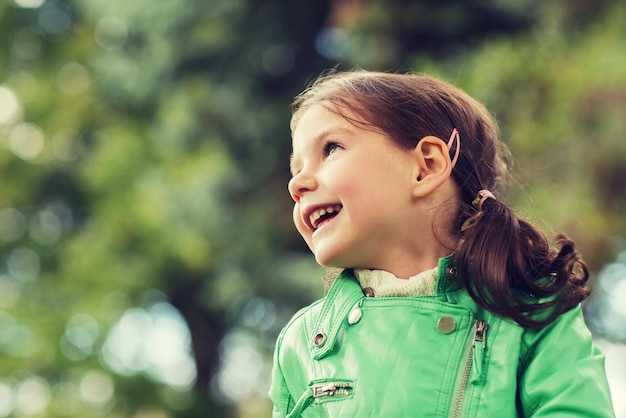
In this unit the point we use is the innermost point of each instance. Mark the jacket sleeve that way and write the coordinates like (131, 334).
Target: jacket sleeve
(562, 373)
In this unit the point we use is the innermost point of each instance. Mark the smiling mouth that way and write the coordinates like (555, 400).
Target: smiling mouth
(322, 215)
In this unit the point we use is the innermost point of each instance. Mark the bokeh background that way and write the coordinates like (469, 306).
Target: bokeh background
(147, 256)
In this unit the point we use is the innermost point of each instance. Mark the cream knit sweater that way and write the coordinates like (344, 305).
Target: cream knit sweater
(385, 284)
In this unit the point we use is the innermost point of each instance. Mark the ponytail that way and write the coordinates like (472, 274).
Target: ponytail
(509, 267)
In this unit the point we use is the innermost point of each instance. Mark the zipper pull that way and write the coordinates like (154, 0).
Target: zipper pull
(332, 389)
(317, 391)
(479, 346)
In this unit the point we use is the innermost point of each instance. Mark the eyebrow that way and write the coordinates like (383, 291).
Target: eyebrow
(319, 138)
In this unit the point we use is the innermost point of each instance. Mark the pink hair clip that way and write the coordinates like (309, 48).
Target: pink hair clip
(455, 135)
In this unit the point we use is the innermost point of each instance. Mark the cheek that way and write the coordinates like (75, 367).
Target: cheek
(297, 221)
(303, 229)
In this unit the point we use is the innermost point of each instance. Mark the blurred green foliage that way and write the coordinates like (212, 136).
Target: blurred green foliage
(147, 256)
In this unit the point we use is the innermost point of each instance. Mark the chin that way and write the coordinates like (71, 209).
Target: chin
(330, 262)
(324, 261)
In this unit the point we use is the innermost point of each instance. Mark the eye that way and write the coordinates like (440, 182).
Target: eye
(330, 147)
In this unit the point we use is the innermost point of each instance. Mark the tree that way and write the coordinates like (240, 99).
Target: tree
(147, 261)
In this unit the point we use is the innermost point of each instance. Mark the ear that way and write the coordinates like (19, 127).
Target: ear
(432, 165)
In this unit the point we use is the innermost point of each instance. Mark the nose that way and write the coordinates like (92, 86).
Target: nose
(300, 184)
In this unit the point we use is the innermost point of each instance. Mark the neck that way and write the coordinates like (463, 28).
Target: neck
(423, 245)
(412, 266)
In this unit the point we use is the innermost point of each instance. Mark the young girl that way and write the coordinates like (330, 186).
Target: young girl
(448, 305)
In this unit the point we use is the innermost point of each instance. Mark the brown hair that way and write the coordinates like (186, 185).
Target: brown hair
(505, 263)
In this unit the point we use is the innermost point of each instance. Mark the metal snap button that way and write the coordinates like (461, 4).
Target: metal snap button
(368, 292)
(319, 339)
(446, 324)
(355, 316)
(452, 271)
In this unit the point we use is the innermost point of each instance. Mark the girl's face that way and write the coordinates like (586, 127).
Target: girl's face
(352, 189)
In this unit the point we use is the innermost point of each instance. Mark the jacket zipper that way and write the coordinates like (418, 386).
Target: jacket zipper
(319, 391)
(475, 359)
(332, 389)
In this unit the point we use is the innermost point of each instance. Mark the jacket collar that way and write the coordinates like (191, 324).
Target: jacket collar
(447, 275)
(345, 295)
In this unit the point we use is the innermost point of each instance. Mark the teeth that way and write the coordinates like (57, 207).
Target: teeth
(315, 216)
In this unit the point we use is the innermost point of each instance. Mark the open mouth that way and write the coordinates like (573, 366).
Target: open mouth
(323, 215)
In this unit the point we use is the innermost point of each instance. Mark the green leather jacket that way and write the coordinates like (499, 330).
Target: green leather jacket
(432, 356)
